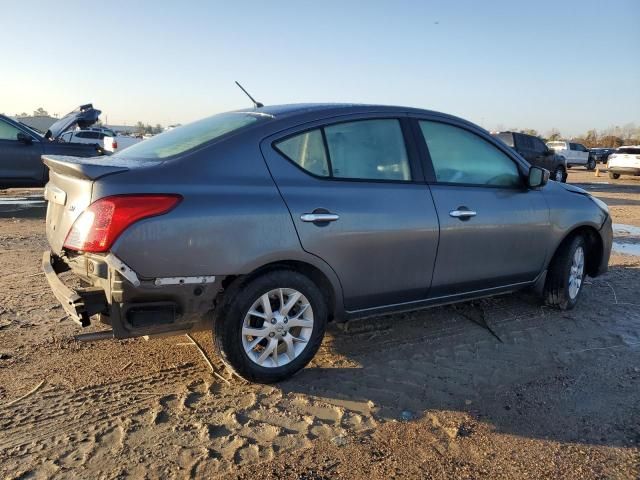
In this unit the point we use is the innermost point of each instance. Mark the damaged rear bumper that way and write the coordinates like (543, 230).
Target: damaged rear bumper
(79, 303)
(131, 305)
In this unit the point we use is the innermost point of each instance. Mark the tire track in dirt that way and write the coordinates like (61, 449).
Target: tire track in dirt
(367, 372)
(210, 427)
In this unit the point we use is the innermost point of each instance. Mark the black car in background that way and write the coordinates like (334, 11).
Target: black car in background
(21, 147)
(601, 154)
(534, 151)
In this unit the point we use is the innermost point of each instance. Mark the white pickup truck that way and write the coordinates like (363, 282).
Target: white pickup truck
(574, 153)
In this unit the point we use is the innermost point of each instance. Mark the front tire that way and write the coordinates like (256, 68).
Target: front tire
(270, 327)
(560, 174)
(615, 176)
(591, 164)
(566, 274)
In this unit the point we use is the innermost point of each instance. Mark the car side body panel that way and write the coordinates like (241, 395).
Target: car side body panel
(571, 210)
(383, 245)
(234, 220)
(231, 221)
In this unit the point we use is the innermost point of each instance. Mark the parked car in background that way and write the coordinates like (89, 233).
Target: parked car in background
(105, 138)
(22, 147)
(94, 137)
(601, 154)
(536, 153)
(116, 143)
(105, 130)
(263, 224)
(576, 154)
(624, 161)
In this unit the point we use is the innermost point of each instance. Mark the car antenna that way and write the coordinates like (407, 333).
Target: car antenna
(256, 104)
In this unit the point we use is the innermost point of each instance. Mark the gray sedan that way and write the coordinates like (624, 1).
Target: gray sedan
(264, 224)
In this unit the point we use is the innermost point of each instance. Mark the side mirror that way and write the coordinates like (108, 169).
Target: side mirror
(538, 177)
(24, 138)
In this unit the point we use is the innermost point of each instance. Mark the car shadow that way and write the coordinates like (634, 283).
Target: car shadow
(22, 204)
(563, 376)
(608, 186)
(618, 202)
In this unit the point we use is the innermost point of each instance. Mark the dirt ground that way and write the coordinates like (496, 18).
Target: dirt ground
(431, 394)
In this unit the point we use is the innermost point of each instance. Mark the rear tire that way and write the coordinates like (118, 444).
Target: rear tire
(615, 176)
(591, 164)
(566, 273)
(292, 335)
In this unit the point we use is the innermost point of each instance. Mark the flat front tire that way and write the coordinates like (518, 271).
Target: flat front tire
(270, 327)
(566, 273)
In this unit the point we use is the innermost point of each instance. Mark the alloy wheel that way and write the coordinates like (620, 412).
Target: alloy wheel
(277, 327)
(576, 272)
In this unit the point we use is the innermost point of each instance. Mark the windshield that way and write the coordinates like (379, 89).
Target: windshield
(187, 137)
(559, 145)
(505, 137)
(630, 150)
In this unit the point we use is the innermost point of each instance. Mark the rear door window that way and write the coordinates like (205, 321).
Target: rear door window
(307, 150)
(368, 149)
(629, 150)
(461, 157)
(359, 150)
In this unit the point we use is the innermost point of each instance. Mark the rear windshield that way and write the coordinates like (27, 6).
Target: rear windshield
(187, 137)
(505, 137)
(556, 144)
(630, 150)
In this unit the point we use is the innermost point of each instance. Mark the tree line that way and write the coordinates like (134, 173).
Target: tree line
(142, 129)
(611, 137)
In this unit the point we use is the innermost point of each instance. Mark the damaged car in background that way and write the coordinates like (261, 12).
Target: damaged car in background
(264, 224)
(21, 147)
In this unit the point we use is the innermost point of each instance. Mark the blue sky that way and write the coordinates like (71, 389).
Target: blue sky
(571, 65)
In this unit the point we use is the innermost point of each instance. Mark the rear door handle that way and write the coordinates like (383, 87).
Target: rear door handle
(319, 217)
(462, 214)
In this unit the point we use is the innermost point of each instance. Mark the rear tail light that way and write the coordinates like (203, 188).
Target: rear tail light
(98, 227)
(114, 144)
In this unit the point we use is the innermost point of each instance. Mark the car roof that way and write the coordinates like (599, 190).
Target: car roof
(289, 111)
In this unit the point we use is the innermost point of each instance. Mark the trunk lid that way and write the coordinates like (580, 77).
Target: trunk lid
(84, 116)
(69, 191)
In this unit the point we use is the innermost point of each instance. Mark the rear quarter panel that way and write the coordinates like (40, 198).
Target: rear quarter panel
(231, 221)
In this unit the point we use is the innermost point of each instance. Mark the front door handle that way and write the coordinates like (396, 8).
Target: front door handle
(319, 217)
(462, 214)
